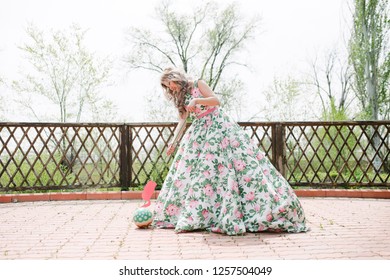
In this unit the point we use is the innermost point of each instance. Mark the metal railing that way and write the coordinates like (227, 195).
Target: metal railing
(51, 156)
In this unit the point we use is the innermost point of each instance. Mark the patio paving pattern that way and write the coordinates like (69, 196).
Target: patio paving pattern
(341, 228)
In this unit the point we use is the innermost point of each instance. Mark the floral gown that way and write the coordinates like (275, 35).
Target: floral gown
(221, 182)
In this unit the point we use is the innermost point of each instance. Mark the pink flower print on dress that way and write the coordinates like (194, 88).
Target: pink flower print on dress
(195, 93)
(209, 122)
(249, 151)
(197, 110)
(238, 214)
(234, 143)
(269, 218)
(276, 198)
(221, 168)
(178, 184)
(160, 224)
(190, 219)
(195, 145)
(263, 182)
(216, 230)
(172, 210)
(225, 143)
(282, 210)
(188, 136)
(210, 157)
(188, 170)
(266, 172)
(247, 179)
(259, 156)
(207, 145)
(177, 164)
(261, 228)
(236, 228)
(230, 166)
(205, 213)
(206, 174)
(217, 205)
(239, 165)
(159, 207)
(257, 208)
(208, 190)
(194, 203)
(235, 186)
(250, 196)
(280, 190)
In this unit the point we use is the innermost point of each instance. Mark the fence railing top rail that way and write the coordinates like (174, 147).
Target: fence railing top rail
(289, 123)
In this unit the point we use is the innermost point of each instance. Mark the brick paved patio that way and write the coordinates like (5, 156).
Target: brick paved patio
(341, 228)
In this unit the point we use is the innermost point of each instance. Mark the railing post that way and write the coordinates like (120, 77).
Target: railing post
(124, 158)
(130, 155)
(279, 148)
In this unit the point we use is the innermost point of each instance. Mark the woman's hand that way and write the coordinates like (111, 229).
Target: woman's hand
(192, 105)
(171, 149)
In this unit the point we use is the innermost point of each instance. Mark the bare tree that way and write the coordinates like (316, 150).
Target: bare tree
(205, 44)
(282, 98)
(332, 83)
(63, 73)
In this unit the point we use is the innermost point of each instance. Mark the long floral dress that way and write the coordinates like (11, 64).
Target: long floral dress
(220, 181)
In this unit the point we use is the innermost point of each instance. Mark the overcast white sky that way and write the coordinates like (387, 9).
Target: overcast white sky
(292, 32)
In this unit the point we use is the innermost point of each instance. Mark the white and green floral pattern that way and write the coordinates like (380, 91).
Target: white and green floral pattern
(220, 181)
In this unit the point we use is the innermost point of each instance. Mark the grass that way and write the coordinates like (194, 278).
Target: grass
(44, 172)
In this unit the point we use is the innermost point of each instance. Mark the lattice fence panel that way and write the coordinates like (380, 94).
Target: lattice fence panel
(351, 154)
(148, 152)
(261, 135)
(72, 156)
(45, 156)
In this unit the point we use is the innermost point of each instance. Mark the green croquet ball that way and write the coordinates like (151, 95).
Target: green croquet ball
(142, 217)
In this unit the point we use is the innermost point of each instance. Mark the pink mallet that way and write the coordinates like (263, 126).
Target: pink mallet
(148, 192)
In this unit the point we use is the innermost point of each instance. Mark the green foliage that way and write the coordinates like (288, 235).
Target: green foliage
(327, 158)
(283, 98)
(34, 173)
(49, 171)
(334, 113)
(155, 169)
(62, 73)
(369, 55)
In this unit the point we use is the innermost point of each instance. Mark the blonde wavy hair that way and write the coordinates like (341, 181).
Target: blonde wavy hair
(179, 78)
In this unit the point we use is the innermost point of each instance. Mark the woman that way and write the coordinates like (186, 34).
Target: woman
(219, 180)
